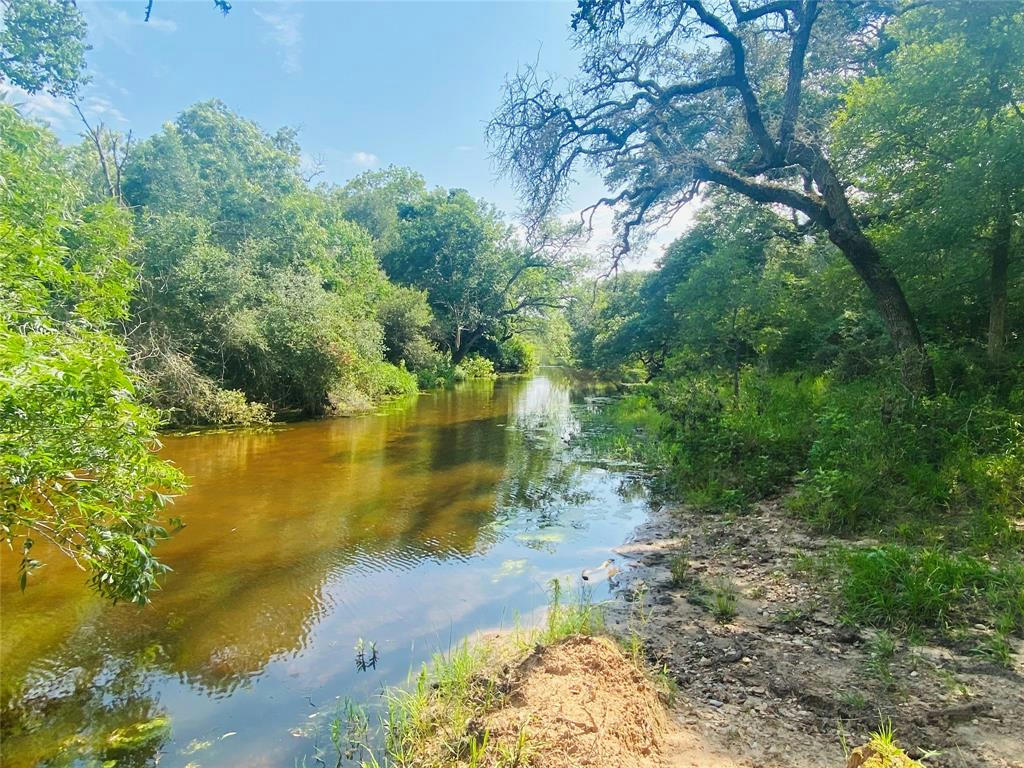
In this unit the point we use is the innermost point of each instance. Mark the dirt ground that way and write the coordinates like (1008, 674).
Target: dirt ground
(784, 684)
(583, 704)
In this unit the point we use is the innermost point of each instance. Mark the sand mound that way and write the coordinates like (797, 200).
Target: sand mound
(581, 703)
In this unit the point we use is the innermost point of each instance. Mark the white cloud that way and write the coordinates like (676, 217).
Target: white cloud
(103, 109)
(364, 159)
(284, 31)
(58, 113)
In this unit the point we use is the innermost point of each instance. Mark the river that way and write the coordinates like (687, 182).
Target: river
(411, 528)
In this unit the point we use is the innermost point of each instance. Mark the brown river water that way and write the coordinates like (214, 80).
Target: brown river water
(411, 528)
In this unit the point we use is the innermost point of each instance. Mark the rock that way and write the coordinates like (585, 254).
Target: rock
(847, 635)
(715, 703)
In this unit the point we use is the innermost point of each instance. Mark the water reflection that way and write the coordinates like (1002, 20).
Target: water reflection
(411, 529)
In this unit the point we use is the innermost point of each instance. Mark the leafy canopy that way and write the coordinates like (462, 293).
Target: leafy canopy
(77, 450)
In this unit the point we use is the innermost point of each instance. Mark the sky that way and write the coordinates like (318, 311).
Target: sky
(368, 84)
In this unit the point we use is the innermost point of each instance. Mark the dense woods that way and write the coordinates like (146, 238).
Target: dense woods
(199, 278)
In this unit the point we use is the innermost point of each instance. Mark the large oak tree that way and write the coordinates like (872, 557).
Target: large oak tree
(675, 95)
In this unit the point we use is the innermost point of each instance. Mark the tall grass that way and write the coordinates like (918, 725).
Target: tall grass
(914, 588)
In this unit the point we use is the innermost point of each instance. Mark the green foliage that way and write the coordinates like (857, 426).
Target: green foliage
(474, 367)
(727, 452)
(679, 568)
(77, 461)
(879, 456)
(262, 288)
(42, 46)
(515, 355)
(910, 588)
(919, 137)
(185, 397)
(481, 280)
(406, 318)
(723, 604)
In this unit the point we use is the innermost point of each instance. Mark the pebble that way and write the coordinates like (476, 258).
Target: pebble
(714, 703)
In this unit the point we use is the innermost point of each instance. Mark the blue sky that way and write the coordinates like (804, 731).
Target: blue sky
(367, 83)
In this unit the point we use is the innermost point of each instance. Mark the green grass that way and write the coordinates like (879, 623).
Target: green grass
(940, 480)
(723, 603)
(912, 588)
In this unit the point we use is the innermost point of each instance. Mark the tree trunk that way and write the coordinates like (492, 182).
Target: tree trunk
(845, 231)
(997, 285)
(892, 306)
(462, 348)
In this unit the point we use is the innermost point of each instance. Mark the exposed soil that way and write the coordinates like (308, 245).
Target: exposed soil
(583, 704)
(784, 682)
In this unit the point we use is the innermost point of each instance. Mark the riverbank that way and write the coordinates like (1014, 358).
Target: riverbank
(767, 671)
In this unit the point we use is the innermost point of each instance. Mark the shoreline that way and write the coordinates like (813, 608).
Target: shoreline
(785, 682)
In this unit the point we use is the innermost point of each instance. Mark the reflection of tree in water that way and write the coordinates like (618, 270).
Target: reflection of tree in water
(544, 485)
(102, 709)
(252, 568)
(274, 519)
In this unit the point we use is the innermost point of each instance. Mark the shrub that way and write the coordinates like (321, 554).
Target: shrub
(185, 397)
(726, 452)
(516, 355)
(880, 457)
(474, 367)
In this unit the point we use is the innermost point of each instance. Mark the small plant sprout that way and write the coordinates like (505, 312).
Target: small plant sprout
(366, 655)
(723, 603)
(679, 567)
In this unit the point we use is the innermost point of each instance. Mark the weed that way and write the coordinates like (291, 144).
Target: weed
(679, 567)
(794, 615)
(439, 718)
(853, 701)
(881, 651)
(517, 754)
(803, 563)
(912, 588)
(723, 603)
(996, 649)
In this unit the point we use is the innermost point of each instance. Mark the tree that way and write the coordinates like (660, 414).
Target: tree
(42, 45)
(481, 279)
(937, 140)
(675, 96)
(253, 282)
(373, 199)
(77, 450)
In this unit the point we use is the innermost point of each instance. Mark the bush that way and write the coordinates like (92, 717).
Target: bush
(440, 373)
(474, 367)
(516, 355)
(881, 458)
(170, 382)
(368, 383)
(726, 452)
